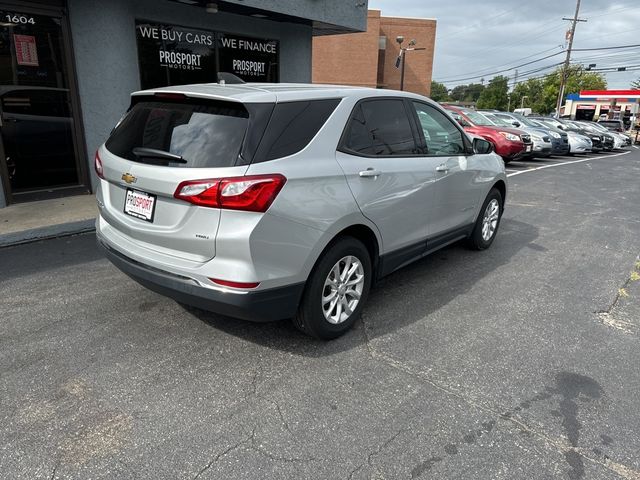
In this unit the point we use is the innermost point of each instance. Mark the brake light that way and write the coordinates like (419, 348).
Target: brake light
(98, 166)
(170, 95)
(229, 283)
(254, 193)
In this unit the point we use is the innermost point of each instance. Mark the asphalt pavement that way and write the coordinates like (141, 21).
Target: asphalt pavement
(517, 362)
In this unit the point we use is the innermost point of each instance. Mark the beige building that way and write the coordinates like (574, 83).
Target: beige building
(369, 58)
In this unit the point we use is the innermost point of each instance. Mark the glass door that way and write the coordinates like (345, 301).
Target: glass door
(37, 124)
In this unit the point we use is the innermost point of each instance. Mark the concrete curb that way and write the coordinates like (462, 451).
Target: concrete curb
(44, 233)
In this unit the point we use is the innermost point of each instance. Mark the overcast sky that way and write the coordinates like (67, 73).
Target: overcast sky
(477, 38)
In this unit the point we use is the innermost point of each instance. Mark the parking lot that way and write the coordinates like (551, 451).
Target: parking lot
(517, 362)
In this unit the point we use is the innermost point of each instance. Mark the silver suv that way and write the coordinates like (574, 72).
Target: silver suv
(265, 202)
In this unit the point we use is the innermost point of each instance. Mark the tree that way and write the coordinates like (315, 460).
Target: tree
(635, 85)
(494, 95)
(439, 92)
(577, 79)
(467, 93)
(542, 93)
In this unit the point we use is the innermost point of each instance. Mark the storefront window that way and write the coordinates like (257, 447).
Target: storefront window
(174, 55)
(251, 59)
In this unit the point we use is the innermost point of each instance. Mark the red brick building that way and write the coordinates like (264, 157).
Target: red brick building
(369, 58)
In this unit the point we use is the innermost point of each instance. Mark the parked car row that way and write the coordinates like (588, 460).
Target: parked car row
(515, 136)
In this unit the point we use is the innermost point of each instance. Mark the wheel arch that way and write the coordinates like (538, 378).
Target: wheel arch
(501, 186)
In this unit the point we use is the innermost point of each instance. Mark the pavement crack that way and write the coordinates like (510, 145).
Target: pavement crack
(260, 449)
(283, 420)
(608, 317)
(384, 445)
(223, 453)
(374, 453)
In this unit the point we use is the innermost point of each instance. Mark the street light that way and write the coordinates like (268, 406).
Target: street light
(401, 60)
(522, 101)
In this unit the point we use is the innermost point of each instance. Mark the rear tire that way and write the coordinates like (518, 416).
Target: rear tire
(336, 290)
(488, 221)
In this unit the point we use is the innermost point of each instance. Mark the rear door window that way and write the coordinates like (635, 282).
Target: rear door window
(205, 135)
(380, 128)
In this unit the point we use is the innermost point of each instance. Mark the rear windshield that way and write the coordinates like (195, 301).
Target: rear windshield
(204, 135)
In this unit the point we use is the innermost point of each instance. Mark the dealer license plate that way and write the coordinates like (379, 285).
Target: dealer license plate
(139, 204)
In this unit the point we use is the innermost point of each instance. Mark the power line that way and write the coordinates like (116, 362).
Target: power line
(480, 72)
(508, 69)
(605, 48)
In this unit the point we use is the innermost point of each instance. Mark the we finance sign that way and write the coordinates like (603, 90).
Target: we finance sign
(251, 59)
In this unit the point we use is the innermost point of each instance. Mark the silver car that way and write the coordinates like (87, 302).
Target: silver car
(273, 201)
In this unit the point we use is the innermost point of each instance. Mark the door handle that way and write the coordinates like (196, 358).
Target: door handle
(370, 173)
(442, 168)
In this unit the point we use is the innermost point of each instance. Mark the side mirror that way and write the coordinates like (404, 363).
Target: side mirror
(482, 146)
(515, 123)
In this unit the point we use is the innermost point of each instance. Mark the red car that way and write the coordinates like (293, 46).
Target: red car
(509, 143)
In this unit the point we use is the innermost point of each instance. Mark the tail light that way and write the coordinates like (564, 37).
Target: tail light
(98, 166)
(254, 193)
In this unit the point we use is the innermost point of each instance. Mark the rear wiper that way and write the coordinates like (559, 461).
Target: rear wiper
(142, 152)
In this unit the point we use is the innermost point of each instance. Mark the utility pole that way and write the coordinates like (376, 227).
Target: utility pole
(565, 69)
(515, 82)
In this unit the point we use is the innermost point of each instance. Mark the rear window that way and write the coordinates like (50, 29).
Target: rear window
(204, 135)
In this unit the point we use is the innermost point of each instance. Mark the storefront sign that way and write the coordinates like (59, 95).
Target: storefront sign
(251, 59)
(26, 50)
(172, 55)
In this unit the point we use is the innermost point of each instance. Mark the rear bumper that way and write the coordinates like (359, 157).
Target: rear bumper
(255, 306)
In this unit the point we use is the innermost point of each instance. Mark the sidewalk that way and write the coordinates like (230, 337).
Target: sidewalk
(28, 222)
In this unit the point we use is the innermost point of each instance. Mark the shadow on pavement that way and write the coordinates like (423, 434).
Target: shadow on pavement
(398, 300)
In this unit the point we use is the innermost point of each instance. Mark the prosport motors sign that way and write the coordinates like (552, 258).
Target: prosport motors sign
(173, 55)
(251, 59)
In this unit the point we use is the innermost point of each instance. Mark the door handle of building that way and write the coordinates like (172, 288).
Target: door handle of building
(370, 173)
(442, 168)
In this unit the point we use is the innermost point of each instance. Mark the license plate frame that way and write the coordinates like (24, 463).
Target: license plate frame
(529, 148)
(140, 213)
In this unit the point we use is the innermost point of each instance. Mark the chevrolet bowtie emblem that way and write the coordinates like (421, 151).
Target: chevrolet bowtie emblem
(127, 177)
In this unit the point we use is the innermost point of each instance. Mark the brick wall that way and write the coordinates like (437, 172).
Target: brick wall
(352, 59)
(418, 63)
(348, 59)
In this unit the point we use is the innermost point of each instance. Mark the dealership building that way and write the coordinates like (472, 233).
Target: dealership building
(67, 68)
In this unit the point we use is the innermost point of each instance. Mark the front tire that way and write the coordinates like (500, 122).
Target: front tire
(486, 227)
(336, 291)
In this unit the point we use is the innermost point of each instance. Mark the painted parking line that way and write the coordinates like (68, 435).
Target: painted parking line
(542, 167)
